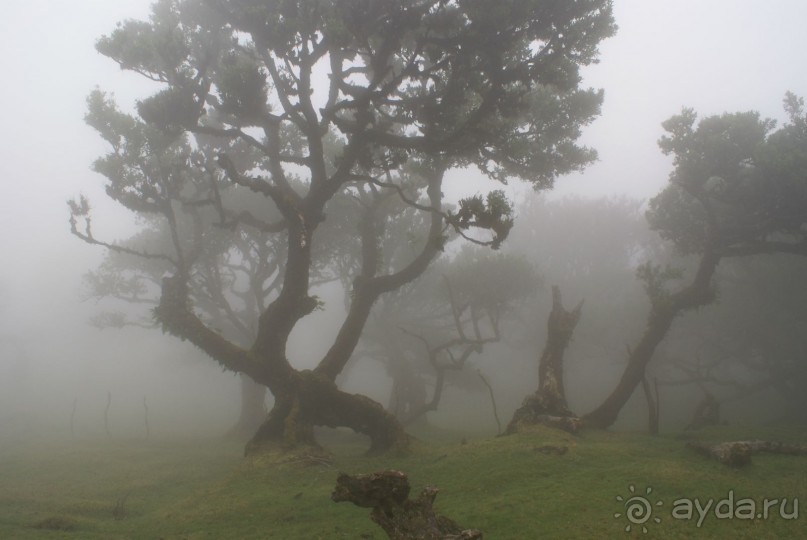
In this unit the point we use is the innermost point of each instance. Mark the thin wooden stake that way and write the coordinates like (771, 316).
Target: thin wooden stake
(146, 407)
(106, 413)
(72, 419)
(492, 401)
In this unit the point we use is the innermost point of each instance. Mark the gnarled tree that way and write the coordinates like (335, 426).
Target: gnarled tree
(548, 404)
(428, 333)
(738, 189)
(369, 99)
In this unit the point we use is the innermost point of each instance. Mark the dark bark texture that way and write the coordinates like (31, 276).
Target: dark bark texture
(548, 404)
(303, 399)
(387, 493)
(313, 400)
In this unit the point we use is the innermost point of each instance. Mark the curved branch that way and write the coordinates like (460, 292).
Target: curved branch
(88, 237)
(285, 204)
(177, 318)
(433, 246)
(446, 217)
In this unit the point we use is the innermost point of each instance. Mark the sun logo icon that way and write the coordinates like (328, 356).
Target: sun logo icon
(638, 509)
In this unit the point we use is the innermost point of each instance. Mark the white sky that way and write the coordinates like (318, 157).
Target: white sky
(712, 55)
(49, 66)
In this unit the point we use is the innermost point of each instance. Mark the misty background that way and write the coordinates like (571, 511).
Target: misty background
(714, 56)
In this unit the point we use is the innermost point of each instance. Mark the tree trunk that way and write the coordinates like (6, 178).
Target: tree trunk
(253, 410)
(662, 314)
(303, 399)
(653, 405)
(606, 414)
(549, 401)
(409, 392)
(314, 400)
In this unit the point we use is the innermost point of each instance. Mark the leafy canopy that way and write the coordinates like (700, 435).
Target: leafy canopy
(741, 173)
(325, 107)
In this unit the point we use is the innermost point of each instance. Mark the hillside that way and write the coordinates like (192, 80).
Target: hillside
(510, 488)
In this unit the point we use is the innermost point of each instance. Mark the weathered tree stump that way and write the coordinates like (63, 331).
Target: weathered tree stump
(738, 453)
(547, 405)
(387, 493)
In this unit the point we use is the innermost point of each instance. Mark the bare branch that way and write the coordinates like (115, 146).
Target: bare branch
(88, 237)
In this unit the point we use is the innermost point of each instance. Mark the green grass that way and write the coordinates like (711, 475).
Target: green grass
(503, 486)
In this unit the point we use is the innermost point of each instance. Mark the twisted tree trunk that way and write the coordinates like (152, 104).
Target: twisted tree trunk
(662, 314)
(313, 400)
(303, 399)
(548, 404)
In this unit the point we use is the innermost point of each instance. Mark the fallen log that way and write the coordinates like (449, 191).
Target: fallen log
(387, 493)
(738, 453)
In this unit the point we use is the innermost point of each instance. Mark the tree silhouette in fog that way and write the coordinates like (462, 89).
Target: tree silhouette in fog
(738, 189)
(300, 103)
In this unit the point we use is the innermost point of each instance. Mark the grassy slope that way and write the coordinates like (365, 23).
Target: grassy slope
(204, 490)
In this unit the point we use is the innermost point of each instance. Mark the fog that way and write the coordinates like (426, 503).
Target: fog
(716, 56)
